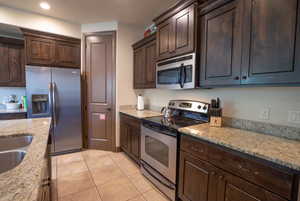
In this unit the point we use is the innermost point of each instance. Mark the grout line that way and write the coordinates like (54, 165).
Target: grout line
(91, 175)
(78, 173)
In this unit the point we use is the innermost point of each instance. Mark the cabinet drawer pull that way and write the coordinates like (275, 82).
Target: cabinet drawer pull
(197, 149)
(221, 177)
(213, 173)
(243, 169)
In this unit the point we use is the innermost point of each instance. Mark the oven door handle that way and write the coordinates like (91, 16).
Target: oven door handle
(157, 179)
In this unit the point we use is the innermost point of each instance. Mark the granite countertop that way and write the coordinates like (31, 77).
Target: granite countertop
(6, 111)
(139, 114)
(22, 182)
(275, 149)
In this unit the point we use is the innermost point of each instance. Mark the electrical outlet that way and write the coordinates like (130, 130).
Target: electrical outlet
(294, 117)
(265, 114)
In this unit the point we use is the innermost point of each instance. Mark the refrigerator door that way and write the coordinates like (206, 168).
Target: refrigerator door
(66, 109)
(38, 91)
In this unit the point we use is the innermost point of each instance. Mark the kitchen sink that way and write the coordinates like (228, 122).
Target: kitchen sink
(10, 159)
(15, 142)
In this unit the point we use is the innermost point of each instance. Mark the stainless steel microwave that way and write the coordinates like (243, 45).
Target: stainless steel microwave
(176, 73)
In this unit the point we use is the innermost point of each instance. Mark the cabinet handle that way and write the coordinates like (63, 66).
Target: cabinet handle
(237, 78)
(221, 177)
(244, 77)
(213, 173)
(243, 169)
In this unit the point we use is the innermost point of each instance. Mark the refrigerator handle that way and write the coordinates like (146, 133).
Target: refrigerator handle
(54, 103)
(50, 99)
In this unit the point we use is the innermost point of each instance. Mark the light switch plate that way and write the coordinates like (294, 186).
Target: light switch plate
(294, 117)
(265, 114)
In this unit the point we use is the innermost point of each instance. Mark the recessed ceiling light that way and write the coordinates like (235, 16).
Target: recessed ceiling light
(45, 5)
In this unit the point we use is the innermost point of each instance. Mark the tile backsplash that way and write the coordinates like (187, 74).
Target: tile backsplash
(6, 91)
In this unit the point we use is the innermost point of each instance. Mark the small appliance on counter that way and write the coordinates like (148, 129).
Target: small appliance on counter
(216, 113)
(140, 103)
(159, 141)
(11, 102)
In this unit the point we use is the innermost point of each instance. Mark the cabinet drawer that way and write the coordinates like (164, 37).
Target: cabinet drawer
(130, 120)
(274, 179)
(194, 146)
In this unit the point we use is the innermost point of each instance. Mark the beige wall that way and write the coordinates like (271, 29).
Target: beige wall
(126, 36)
(38, 22)
(243, 103)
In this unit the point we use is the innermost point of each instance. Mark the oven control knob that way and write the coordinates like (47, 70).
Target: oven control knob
(204, 108)
(199, 107)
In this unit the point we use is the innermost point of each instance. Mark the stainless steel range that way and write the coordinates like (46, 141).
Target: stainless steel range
(159, 142)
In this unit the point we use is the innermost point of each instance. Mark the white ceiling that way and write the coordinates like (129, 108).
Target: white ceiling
(137, 12)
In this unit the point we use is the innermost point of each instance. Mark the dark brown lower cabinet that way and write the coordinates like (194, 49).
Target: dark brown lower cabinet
(203, 179)
(130, 135)
(10, 116)
(45, 184)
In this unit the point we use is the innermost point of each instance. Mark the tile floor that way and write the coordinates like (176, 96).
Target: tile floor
(93, 175)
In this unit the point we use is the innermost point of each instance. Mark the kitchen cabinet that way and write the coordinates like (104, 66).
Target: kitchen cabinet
(221, 46)
(67, 54)
(12, 66)
(44, 193)
(130, 135)
(211, 172)
(271, 42)
(45, 49)
(249, 42)
(145, 63)
(40, 51)
(176, 30)
(9, 116)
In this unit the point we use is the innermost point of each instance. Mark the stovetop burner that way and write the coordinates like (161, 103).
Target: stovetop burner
(173, 122)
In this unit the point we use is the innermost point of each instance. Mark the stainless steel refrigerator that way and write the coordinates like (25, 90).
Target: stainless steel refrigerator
(55, 92)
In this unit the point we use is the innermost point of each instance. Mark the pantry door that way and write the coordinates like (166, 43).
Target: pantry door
(100, 79)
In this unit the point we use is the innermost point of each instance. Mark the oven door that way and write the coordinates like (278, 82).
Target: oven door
(159, 151)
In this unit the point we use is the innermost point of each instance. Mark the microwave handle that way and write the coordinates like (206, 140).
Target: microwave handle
(182, 76)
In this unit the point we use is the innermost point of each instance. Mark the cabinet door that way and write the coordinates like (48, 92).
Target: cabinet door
(4, 67)
(16, 65)
(12, 67)
(67, 54)
(139, 68)
(40, 51)
(221, 46)
(271, 42)
(183, 23)
(236, 189)
(124, 136)
(165, 38)
(196, 179)
(150, 71)
(135, 142)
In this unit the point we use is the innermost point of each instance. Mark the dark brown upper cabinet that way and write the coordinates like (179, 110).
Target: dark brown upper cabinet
(271, 42)
(45, 49)
(12, 65)
(221, 46)
(176, 30)
(145, 63)
(67, 54)
(249, 42)
(40, 51)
